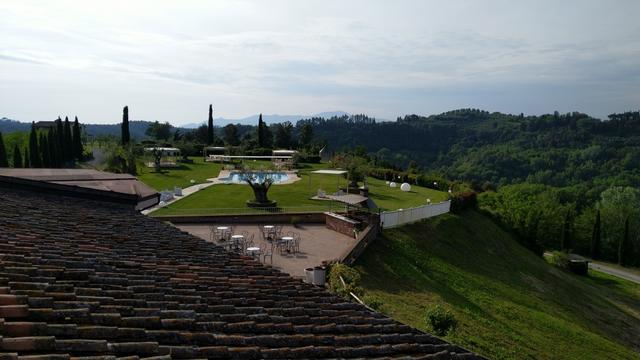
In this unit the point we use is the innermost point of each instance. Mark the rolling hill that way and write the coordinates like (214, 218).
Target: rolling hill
(510, 304)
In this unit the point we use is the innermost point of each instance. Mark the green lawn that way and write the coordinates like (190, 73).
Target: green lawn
(199, 171)
(296, 195)
(510, 304)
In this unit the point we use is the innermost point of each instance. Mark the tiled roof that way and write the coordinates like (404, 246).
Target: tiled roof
(86, 183)
(87, 279)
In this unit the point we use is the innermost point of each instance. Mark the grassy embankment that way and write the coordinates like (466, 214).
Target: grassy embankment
(298, 194)
(510, 304)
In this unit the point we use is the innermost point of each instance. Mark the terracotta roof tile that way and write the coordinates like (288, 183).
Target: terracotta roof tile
(93, 280)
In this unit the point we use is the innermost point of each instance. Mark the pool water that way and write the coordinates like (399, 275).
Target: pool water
(238, 177)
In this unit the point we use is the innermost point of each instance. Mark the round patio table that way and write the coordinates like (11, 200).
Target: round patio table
(253, 250)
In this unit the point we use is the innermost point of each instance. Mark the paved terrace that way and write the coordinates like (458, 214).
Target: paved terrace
(316, 245)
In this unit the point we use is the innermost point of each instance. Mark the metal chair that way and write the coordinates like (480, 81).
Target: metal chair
(266, 250)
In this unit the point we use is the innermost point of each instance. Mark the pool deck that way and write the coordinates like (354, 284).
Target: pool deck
(317, 244)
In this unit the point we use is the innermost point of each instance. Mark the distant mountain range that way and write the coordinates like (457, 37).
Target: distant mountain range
(267, 118)
(137, 128)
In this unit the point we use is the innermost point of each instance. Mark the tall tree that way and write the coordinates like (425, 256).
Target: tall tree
(210, 126)
(267, 136)
(159, 130)
(306, 135)
(3, 153)
(34, 153)
(126, 138)
(52, 142)
(25, 159)
(200, 134)
(58, 135)
(595, 237)
(44, 150)
(624, 248)
(231, 135)
(68, 141)
(77, 140)
(283, 135)
(260, 131)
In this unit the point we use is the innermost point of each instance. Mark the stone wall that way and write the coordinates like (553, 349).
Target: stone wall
(246, 219)
(340, 224)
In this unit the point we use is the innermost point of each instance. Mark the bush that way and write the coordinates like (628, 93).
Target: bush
(259, 152)
(463, 200)
(304, 157)
(560, 259)
(441, 320)
(373, 302)
(351, 278)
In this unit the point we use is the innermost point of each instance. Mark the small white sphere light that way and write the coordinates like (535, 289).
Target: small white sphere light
(392, 184)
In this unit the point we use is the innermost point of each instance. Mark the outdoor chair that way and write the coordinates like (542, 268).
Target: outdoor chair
(213, 233)
(248, 241)
(266, 250)
(296, 243)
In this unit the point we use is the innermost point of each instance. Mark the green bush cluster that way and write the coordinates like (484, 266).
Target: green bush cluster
(441, 320)
(560, 259)
(351, 278)
(463, 200)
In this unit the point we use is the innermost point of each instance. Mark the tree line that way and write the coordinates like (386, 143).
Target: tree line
(58, 146)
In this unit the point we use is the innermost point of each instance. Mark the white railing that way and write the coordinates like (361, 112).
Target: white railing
(389, 219)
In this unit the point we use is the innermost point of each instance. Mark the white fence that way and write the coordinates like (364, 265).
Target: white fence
(391, 219)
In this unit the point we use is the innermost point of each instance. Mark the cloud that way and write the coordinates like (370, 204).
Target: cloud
(365, 56)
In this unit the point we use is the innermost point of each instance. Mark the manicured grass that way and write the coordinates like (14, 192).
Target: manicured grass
(199, 171)
(510, 304)
(297, 195)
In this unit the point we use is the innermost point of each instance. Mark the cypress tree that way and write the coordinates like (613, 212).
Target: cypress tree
(260, 132)
(17, 158)
(595, 237)
(210, 126)
(77, 140)
(59, 142)
(34, 153)
(25, 159)
(44, 151)
(624, 252)
(67, 150)
(52, 142)
(125, 126)
(3, 153)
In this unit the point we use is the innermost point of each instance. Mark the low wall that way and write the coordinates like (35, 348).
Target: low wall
(365, 238)
(245, 219)
(342, 225)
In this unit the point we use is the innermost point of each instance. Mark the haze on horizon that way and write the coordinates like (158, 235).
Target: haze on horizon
(167, 60)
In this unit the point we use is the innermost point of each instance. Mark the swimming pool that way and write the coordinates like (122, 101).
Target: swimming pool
(238, 177)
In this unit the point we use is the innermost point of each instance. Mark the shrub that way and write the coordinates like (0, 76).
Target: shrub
(373, 302)
(259, 152)
(463, 200)
(441, 320)
(305, 157)
(351, 278)
(560, 259)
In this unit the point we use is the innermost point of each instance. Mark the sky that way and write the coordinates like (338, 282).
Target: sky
(168, 60)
